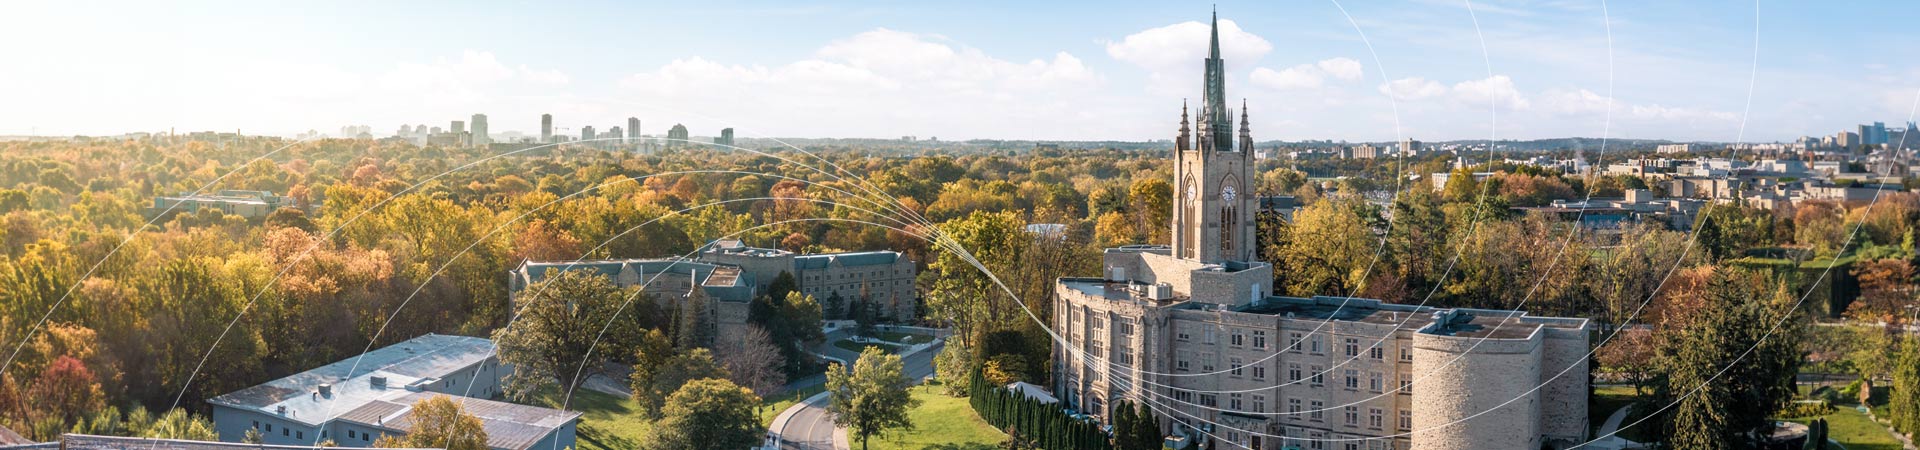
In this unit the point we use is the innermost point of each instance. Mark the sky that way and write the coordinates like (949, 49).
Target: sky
(1078, 70)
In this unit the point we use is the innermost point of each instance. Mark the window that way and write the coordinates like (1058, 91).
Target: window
(1377, 353)
(1406, 353)
(1260, 340)
(351, 434)
(1352, 415)
(1406, 420)
(1209, 400)
(1099, 323)
(1180, 365)
(1234, 363)
(1259, 403)
(1319, 376)
(1124, 326)
(1208, 337)
(1353, 347)
(1375, 381)
(1374, 418)
(1406, 384)
(284, 432)
(1260, 372)
(1293, 408)
(1317, 410)
(1233, 402)
(1182, 335)
(1293, 372)
(302, 435)
(1353, 379)
(1206, 362)
(1293, 342)
(256, 424)
(269, 428)
(1237, 340)
(1183, 396)
(1314, 346)
(1125, 357)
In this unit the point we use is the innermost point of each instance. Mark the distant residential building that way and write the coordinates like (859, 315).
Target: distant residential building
(248, 204)
(586, 133)
(480, 137)
(1848, 140)
(677, 136)
(633, 130)
(358, 400)
(726, 137)
(546, 128)
(1362, 151)
(1674, 148)
(1409, 147)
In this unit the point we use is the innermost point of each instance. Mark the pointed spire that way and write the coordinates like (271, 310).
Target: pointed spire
(1243, 115)
(1214, 52)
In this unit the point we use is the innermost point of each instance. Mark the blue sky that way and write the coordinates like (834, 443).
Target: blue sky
(1068, 70)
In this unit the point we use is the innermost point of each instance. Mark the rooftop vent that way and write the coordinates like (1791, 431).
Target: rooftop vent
(325, 390)
(378, 382)
(282, 410)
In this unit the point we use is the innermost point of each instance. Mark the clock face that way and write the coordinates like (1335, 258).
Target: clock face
(1227, 193)
(1192, 191)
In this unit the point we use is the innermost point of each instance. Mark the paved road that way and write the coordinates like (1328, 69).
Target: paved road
(808, 425)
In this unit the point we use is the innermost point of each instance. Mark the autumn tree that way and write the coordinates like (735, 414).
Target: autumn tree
(709, 414)
(557, 338)
(439, 422)
(754, 361)
(872, 398)
(660, 382)
(1886, 291)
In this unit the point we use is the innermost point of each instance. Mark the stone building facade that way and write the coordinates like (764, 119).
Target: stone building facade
(1194, 332)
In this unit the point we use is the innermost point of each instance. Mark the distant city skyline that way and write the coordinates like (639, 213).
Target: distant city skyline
(1072, 71)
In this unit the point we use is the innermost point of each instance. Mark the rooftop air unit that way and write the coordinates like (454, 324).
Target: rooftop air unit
(325, 390)
(378, 382)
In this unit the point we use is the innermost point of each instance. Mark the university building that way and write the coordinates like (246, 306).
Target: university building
(1193, 331)
(356, 401)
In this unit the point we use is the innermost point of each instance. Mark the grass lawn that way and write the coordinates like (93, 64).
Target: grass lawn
(607, 422)
(777, 403)
(904, 338)
(859, 347)
(1852, 428)
(1606, 400)
(940, 422)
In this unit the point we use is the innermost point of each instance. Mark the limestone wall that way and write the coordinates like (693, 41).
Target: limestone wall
(1447, 391)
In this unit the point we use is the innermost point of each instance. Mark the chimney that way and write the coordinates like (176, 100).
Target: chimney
(325, 390)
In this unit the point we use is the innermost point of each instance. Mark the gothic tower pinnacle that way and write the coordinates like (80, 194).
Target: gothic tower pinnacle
(1215, 120)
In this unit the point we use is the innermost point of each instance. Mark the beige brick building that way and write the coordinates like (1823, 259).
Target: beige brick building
(1194, 332)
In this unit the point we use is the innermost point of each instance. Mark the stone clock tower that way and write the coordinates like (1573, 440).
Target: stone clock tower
(1213, 201)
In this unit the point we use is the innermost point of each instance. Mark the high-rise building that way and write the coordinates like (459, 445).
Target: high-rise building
(1194, 332)
(1409, 147)
(546, 128)
(480, 137)
(459, 126)
(677, 136)
(1879, 133)
(633, 130)
(726, 137)
(586, 133)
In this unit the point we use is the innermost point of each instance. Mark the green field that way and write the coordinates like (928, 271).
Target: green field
(904, 338)
(1853, 429)
(941, 422)
(607, 422)
(773, 405)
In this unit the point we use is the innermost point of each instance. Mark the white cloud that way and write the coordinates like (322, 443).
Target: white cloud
(1413, 88)
(1306, 76)
(1657, 111)
(1497, 89)
(1342, 68)
(912, 83)
(1574, 101)
(1182, 45)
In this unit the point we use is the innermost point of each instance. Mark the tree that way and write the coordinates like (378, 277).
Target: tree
(1150, 199)
(1886, 291)
(754, 361)
(952, 366)
(709, 414)
(651, 393)
(1903, 406)
(1114, 229)
(871, 398)
(1733, 389)
(439, 422)
(1329, 248)
(558, 332)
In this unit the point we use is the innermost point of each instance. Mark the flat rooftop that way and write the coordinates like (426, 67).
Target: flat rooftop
(418, 361)
(1475, 323)
(72, 441)
(509, 426)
